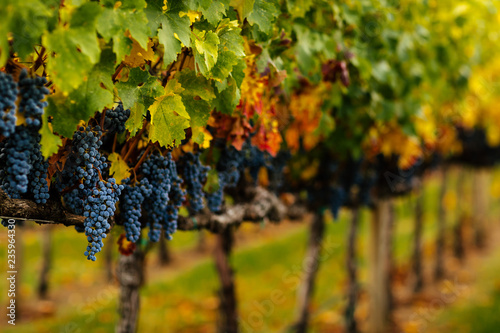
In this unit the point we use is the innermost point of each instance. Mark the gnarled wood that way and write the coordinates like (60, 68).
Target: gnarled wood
(306, 288)
(228, 303)
(52, 212)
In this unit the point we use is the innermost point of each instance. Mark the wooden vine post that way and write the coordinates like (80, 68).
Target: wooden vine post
(480, 205)
(417, 243)
(43, 281)
(164, 251)
(458, 230)
(306, 289)
(228, 304)
(441, 222)
(380, 266)
(353, 287)
(130, 273)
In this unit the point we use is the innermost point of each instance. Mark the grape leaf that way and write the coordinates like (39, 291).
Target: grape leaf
(197, 84)
(136, 119)
(91, 96)
(227, 99)
(118, 168)
(244, 7)
(170, 27)
(263, 14)
(199, 111)
(25, 21)
(230, 37)
(238, 72)
(140, 88)
(206, 50)
(223, 67)
(76, 49)
(215, 11)
(298, 8)
(117, 24)
(167, 127)
(138, 56)
(49, 142)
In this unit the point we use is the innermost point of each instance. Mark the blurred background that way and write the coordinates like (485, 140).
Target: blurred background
(61, 293)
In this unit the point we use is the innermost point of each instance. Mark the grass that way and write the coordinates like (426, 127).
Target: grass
(267, 274)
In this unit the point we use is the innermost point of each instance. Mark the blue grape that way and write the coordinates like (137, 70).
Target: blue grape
(8, 97)
(156, 170)
(24, 166)
(229, 168)
(177, 196)
(93, 197)
(32, 91)
(115, 119)
(194, 175)
(130, 207)
(99, 207)
(38, 176)
(336, 197)
(16, 153)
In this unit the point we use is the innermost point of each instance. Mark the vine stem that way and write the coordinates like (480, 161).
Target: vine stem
(134, 143)
(102, 120)
(114, 143)
(142, 158)
(117, 71)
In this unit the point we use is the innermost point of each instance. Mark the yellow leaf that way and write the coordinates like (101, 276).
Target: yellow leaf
(138, 56)
(119, 168)
(193, 15)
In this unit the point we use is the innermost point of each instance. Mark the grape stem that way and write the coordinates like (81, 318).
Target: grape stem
(134, 143)
(143, 157)
(117, 71)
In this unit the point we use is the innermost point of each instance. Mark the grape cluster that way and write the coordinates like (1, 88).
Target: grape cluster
(195, 174)
(99, 207)
(229, 169)
(16, 152)
(177, 196)
(368, 181)
(92, 197)
(156, 170)
(336, 198)
(131, 201)
(23, 166)
(38, 176)
(8, 97)
(32, 91)
(115, 119)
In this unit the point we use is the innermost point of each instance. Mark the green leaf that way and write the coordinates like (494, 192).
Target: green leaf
(167, 25)
(223, 67)
(26, 21)
(215, 12)
(140, 88)
(49, 142)
(136, 120)
(206, 49)
(114, 24)
(263, 14)
(227, 100)
(230, 37)
(76, 48)
(196, 85)
(82, 103)
(238, 72)
(118, 168)
(298, 8)
(244, 7)
(138, 94)
(198, 110)
(167, 120)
